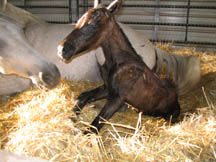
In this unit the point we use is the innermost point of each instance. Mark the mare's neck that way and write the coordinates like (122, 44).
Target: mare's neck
(117, 45)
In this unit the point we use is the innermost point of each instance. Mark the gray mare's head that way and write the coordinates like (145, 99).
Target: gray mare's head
(90, 31)
(18, 57)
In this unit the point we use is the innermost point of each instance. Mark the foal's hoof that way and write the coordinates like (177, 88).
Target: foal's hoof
(172, 119)
(90, 131)
(74, 119)
(83, 95)
(77, 110)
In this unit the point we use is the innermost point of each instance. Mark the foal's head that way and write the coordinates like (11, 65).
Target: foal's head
(90, 31)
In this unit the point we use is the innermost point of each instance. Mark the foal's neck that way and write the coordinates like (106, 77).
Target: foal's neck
(117, 45)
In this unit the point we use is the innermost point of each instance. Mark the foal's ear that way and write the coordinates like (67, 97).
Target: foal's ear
(115, 6)
(3, 4)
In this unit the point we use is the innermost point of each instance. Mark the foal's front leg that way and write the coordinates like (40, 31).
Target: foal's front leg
(90, 96)
(111, 107)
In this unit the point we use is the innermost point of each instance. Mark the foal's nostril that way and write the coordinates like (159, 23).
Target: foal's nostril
(64, 51)
(66, 47)
(67, 50)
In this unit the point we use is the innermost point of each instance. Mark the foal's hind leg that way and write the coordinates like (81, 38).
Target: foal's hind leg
(90, 96)
(174, 112)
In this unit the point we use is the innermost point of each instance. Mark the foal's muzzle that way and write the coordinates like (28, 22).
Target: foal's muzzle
(65, 52)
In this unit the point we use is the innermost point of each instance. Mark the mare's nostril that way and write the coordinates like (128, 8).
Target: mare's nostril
(46, 78)
(50, 78)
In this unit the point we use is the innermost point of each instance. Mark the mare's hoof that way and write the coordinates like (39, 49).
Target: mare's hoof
(87, 132)
(174, 120)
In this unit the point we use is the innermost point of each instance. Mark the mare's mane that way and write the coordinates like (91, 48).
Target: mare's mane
(2, 4)
(5, 18)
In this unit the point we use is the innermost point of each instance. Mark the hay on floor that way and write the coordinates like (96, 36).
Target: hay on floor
(41, 123)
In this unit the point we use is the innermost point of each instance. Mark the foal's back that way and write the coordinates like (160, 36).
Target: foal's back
(150, 94)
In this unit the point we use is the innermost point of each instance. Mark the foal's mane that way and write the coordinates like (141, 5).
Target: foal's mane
(126, 38)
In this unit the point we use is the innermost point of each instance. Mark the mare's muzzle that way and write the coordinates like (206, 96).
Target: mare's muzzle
(51, 79)
(47, 78)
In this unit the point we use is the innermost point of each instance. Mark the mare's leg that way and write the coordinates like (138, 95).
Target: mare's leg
(111, 107)
(90, 96)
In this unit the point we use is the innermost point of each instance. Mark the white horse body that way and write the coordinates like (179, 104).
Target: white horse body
(45, 37)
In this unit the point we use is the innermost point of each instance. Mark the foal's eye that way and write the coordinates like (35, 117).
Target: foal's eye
(90, 21)
(95, 18)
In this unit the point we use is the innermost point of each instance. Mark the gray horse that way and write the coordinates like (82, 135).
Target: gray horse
(18, 57)
(45, 37)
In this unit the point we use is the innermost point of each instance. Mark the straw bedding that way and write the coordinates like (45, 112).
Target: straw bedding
(41, 123)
